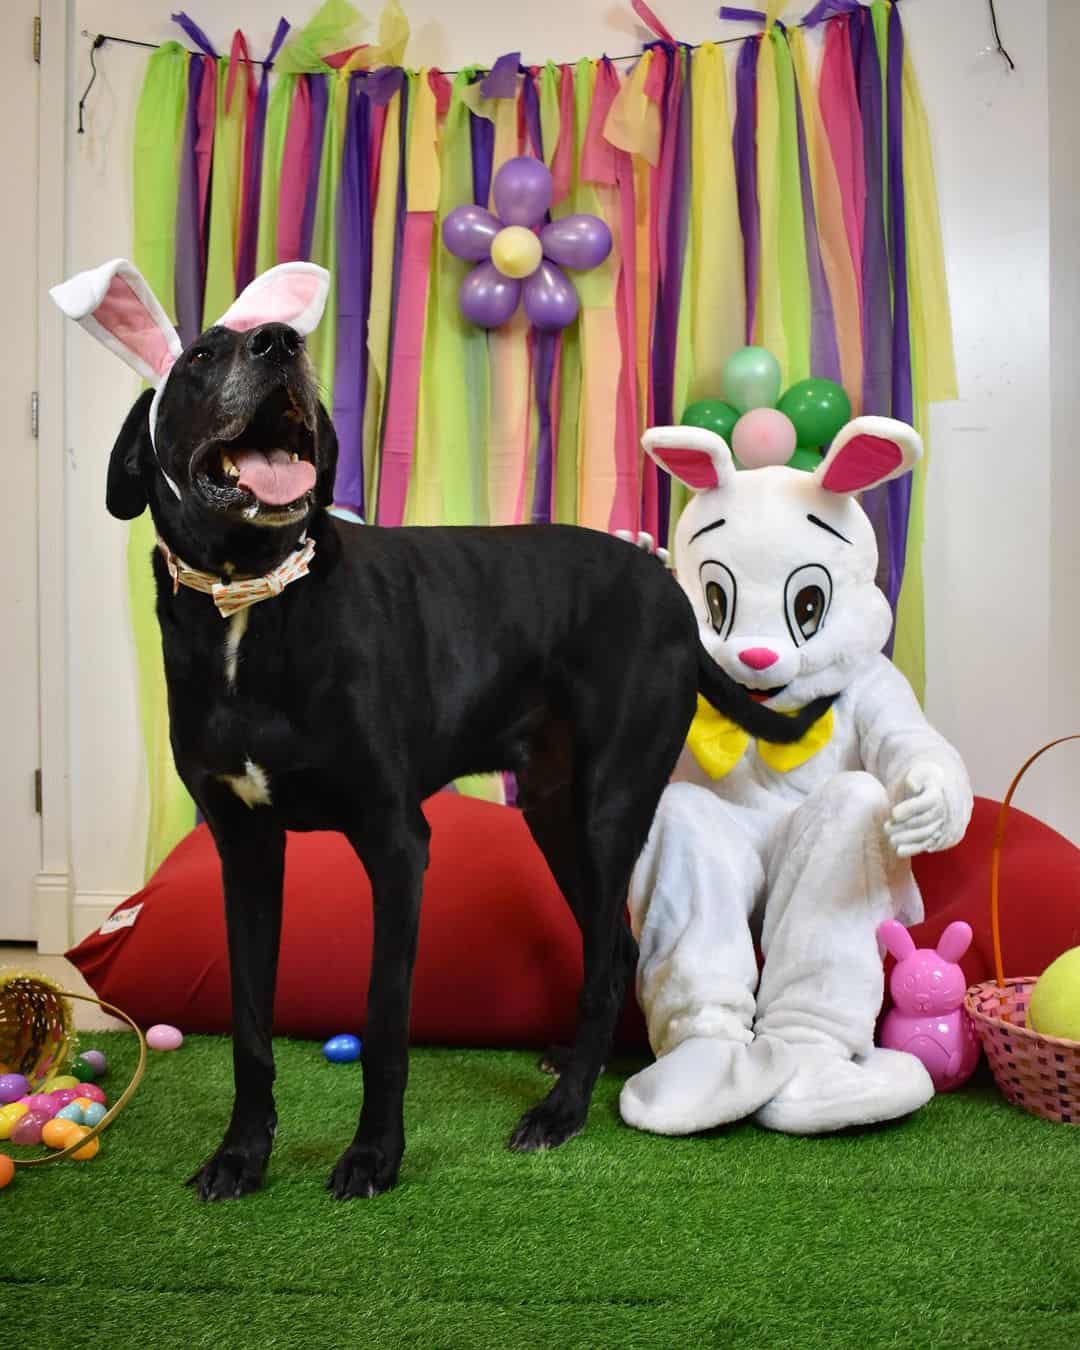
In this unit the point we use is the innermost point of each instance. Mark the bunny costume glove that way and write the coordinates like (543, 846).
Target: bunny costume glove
(804, 848)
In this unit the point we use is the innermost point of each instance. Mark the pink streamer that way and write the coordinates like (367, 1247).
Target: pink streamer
(562, 162)
(842, 120)
(204, 141)
(292, 194)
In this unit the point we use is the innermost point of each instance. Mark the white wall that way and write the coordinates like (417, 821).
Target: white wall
(998, 518)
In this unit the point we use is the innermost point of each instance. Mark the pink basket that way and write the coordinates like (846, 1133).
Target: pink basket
(1039, 1073)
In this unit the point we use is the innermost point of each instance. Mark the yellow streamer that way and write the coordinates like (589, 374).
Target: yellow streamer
(633, 120)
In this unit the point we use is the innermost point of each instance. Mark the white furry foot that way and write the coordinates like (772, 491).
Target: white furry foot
(831, 1092)
(703, 1083)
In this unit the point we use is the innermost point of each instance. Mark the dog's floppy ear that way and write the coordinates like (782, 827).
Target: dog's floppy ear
(328, 458)
(125, 488)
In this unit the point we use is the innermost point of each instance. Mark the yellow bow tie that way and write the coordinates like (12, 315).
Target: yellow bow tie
(718, 743)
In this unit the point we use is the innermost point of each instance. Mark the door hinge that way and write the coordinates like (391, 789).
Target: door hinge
(37, 791)
(35, 411)
(37, 38)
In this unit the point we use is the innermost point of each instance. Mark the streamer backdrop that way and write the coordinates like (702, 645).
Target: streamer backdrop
(804, 219)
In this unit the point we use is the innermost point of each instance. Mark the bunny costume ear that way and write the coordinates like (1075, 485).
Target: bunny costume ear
(697, 457)
(867, 452)
(896, 939)
(293, 293)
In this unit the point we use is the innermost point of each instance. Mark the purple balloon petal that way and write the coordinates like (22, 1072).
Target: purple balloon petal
(487, 297)
(468, 231)
(579, 242)
(522, 191)
(550, 299)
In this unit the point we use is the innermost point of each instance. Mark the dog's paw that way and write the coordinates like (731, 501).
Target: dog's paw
(233, 1171)
(547, 1125)
(363, 1170)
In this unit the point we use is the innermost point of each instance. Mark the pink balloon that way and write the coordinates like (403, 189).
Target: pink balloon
(763, 436)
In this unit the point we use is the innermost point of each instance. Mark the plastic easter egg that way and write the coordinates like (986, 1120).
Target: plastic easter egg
(164, 1037)
(7, 1170)
(73, 1112)
(342, 1049)
(65, 1096)
(28, 1128)
(66, 1080)
(9, 1117)
(97, 1059)
(12, 1087)
(93, 1113)
(93, 1092)
(58, 1133)
(42, 1101)
(1054, 1009)
(83, 1070)
(89, 1150)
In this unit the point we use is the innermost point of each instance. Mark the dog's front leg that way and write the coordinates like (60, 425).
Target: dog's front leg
(253, 865)
(393, 847)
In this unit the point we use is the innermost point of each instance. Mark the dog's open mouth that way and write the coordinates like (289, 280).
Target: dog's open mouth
(266, 470)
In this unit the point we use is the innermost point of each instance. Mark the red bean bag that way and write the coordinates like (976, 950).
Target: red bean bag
(499, 960)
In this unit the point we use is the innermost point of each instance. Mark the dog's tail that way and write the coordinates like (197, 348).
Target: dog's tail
(766, 724)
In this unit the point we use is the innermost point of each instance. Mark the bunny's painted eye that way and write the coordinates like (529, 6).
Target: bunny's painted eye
(806, 601)
(720, 590)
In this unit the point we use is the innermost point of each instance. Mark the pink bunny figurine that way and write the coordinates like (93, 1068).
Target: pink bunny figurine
(927, 1018)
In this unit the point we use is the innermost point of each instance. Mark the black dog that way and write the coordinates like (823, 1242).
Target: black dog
(404, 659)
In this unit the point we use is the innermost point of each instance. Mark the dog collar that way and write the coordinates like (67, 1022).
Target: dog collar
(232, 596)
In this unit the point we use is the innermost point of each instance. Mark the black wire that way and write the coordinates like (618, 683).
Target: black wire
(997, 37)
(99, 41)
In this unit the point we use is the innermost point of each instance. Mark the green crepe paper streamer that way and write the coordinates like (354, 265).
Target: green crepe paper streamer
(794, 272)
(454, 349)
(565, 496)
(550, 120)
(224, 197)
(335, 26)
(322, 344)
(159, 134)
(277, 125)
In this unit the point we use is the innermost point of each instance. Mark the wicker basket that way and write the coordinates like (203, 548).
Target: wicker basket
(1039, 1073)
(36, 1037)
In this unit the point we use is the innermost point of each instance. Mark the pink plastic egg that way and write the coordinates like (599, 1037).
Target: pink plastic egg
(28, 1128)
(95, 1093)
(63, 1096)
(164, 1037)
(42, 1101)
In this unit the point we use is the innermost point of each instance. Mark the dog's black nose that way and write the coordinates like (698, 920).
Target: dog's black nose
(275, 342)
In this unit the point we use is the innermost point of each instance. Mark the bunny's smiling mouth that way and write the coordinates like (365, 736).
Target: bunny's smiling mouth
(762, 695)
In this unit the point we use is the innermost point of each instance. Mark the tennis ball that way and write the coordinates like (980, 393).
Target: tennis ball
(1054, 1009)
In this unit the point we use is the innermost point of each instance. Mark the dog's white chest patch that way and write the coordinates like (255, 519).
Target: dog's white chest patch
(252, 786)
(237, 628)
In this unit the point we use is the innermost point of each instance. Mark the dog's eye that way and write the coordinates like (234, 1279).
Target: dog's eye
(808, 592)
(719, 587)
(201, 354)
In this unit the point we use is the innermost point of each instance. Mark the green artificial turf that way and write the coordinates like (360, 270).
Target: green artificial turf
(959, 1227)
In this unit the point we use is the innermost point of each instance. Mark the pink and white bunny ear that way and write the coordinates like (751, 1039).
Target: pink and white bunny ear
(896, 939)
(293, 293)
(697, 457)
(115, 305)
(955, 940)
(867, 452)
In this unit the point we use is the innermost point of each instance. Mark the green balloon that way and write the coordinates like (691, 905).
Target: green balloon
(807, 460)
(713, 414)
(751, 379)
(818, 408)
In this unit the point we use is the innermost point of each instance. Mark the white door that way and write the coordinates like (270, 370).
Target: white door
(20, 826)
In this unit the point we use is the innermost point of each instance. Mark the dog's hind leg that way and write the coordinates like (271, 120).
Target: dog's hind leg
(252, 854)
(393, 847)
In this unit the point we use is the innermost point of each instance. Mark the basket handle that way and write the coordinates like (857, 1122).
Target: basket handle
(117, 1106)
(995, 856)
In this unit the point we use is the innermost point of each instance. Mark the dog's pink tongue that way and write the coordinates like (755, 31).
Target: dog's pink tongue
(273, 476)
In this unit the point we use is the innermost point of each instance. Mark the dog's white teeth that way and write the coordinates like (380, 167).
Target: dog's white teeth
(250, 512)
(228, 465)
(294, 459)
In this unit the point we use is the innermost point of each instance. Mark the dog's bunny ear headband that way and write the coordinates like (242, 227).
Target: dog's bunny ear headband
(115, 305)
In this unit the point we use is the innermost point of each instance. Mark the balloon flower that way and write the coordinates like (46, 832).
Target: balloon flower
(761, 426)
(517, 263)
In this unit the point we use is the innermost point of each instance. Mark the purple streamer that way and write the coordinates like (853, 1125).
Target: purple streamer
(482, 141)
(501, 79)
(354, 299)
(317, 88)
(190, 264)
(546, 345)
(746, 173)
(738, 15)
(195, 33)
(249, 212)
(828, 9)
(530, 102)
(824, 351)
(382, 84)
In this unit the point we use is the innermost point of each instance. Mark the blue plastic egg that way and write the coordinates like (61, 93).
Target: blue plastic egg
(71, 1112)
(342, 1049)
(93, 1113)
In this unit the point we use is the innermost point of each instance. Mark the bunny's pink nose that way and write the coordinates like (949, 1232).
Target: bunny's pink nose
(758, 658)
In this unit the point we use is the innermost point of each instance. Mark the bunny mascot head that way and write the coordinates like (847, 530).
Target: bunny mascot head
(803, 845)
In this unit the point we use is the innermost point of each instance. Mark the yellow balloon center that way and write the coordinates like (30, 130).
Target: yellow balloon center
(516, 252)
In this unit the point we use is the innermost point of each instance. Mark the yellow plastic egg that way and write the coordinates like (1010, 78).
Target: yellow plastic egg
(9, 1116)
(66, 1080)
